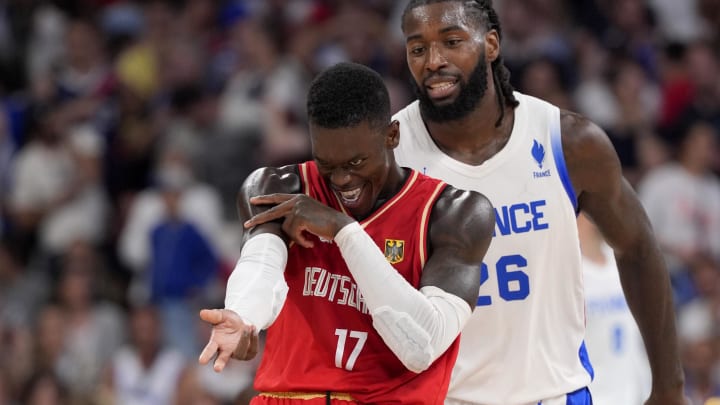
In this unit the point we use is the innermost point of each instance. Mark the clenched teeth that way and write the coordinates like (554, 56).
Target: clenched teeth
(351, 195)
(441, 85)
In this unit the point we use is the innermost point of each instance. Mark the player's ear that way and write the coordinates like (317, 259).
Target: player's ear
(492, 45)
(392, 137)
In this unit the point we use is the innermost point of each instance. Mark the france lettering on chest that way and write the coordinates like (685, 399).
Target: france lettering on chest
(520, 218)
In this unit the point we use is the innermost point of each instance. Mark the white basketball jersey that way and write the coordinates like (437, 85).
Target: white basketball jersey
(524, 342)
(622, 374)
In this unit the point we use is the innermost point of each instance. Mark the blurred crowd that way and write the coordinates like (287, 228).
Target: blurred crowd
(127, 127)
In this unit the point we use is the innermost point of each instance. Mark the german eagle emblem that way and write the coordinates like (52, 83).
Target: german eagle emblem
(394, 250)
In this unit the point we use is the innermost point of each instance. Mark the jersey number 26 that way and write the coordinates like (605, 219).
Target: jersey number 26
(513, 283)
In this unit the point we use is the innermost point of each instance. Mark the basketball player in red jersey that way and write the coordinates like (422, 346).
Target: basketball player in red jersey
(380, 263)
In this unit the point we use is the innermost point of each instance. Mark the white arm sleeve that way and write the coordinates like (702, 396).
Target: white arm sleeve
(256, 289)
(417, 325)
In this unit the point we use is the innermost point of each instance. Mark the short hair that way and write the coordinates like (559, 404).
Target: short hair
(347, 94)
(483, 13)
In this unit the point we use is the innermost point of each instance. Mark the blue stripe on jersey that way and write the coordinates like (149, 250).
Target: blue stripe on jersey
(585, 360)
(579, 397)
(556, 143)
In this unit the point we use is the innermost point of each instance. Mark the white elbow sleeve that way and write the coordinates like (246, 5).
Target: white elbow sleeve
(418, 326)
(423, 334)
(256, 289)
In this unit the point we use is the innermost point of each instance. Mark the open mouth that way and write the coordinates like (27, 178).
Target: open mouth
(350, 197)
(441, 89)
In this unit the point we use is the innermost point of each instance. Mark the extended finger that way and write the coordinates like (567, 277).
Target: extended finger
(276, 198)
(208, 352)
(273, 213)
(222, 359)
(211, 316)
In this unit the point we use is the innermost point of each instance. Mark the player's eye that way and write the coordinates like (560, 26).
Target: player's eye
(417, 50)
(322, 166)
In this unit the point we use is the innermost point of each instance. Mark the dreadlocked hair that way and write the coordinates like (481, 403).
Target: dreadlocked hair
(484, 13)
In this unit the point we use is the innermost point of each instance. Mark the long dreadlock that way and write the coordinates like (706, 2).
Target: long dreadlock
(485, 14)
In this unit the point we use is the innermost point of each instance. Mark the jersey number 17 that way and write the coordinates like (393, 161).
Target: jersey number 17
(342, 334)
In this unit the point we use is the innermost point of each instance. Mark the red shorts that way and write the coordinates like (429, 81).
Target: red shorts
(299, 398)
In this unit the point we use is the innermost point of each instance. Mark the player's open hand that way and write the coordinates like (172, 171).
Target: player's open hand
(302, 214)
(230, 337)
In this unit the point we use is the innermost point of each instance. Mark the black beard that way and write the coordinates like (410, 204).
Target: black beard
(470, 95)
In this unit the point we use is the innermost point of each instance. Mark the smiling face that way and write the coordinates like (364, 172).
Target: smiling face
(358, 164)
(447, 58)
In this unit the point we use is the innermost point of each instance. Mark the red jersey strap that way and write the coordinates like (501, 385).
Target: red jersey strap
(424, 221)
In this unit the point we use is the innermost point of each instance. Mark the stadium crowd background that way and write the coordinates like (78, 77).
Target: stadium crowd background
(127, 127)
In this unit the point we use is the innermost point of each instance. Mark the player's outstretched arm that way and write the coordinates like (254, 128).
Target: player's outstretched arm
(610, 201)
(256, 289)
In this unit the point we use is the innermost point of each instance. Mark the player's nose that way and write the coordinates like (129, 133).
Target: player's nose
(340, 178)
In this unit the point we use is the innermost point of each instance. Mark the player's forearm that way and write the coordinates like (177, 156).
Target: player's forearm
(418, 326)
(256, 289)
(647, 289)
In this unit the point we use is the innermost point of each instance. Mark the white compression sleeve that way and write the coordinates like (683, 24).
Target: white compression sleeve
(417, 325)
(256, 289)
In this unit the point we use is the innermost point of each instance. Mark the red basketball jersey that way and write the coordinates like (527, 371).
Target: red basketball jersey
(323, 338)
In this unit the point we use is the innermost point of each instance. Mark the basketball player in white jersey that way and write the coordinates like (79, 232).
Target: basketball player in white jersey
(539, 166)
(613, 340)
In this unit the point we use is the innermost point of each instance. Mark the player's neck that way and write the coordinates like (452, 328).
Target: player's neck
(474, 138)
(395, 182)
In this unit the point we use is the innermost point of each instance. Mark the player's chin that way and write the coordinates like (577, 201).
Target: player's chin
(440, 102)
(360, 209)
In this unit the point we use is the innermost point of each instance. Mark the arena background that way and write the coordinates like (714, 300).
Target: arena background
(127, 127)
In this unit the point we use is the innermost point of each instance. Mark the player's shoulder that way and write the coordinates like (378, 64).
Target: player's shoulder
(583, 141)
(580, 132)
(462, 219)
(460, 208)
(268, 180)
(451, 193)
(589, 154)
